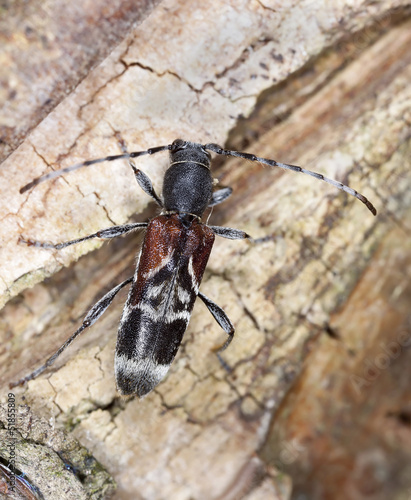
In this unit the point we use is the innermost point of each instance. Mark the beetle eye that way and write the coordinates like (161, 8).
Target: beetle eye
(179, 144)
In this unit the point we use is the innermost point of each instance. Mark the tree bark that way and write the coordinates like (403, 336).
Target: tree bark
(323, 87)
(47, 48)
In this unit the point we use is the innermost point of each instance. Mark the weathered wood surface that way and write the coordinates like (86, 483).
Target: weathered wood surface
(48, 456)
(46, 48)
(341, 107)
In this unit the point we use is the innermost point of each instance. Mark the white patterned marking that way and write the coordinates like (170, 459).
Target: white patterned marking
(142, 375)
(152, 272)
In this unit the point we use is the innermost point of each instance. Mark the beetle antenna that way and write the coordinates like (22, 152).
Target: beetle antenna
(215, 148)
(71, 168)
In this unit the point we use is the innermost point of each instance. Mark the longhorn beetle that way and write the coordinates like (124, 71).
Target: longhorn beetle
(171, 264)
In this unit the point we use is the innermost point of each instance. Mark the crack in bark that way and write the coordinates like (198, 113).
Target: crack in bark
(245, 54)
(161, 74)
(104, 208)
(61, 412)
(266, 8)
(98, 90)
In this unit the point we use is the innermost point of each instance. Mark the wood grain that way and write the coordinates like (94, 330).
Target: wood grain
(330, 91)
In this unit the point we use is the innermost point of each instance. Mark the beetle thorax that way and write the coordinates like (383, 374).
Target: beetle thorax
(188, 185)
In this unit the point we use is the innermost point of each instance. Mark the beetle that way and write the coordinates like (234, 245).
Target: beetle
(171, 264)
